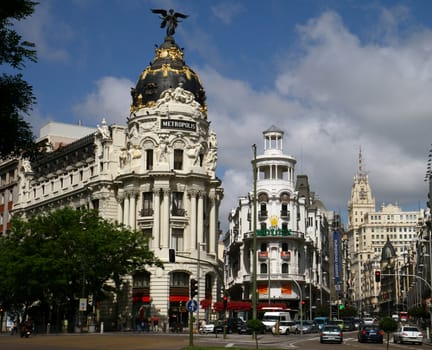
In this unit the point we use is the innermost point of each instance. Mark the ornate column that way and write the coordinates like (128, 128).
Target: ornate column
(156, 218)
(212, 223)
(200, 220)
(132, 209)
(166, 216)
(126, 210)
(120, 199)
(193, 220)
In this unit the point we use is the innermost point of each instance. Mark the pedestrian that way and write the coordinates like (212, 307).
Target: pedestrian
(14, 327)
(155, 323)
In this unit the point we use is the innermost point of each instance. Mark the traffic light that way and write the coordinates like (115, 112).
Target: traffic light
(193, 287)
(171, 253)
(341, 306)
(303, 302)
(225, 302)
(377, 276)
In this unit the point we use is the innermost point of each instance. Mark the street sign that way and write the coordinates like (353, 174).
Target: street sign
(192, 305)
(83, 304)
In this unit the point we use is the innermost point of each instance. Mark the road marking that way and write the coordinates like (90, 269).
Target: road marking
(229, 345)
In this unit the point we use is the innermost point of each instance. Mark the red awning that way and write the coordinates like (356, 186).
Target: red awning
(233, 305)
(141, 299)
(205, 303)
(178, 298)
(275, 305)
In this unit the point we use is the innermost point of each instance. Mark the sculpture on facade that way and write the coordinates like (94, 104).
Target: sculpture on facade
(104, 130)
(169, 19)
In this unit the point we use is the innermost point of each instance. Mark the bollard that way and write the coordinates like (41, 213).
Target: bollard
(48, 328)
(101, 327)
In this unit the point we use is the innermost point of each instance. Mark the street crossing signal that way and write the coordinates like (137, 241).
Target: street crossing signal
(225, 302)
(377, 276)
(193, 287)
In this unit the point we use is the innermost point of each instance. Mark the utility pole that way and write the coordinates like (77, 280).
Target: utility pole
(254, 250)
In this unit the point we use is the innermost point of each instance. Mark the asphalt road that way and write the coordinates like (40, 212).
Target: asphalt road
(106, 341)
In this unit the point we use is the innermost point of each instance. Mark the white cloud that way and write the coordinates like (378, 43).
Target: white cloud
(339, 95)
(49, 34)
(111, 99)
(226, 11)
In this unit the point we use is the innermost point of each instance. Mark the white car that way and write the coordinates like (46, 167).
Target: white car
(408, 334)
(207, 328)
(368, 320)
(285, 327)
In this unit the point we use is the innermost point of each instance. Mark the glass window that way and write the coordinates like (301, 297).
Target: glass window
(178, 159)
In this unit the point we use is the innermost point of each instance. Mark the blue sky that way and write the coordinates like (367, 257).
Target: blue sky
(334, 75)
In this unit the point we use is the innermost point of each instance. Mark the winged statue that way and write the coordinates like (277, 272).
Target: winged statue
(169, 19)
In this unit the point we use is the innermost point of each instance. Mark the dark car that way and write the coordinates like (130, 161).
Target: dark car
(349, 325)
(370, 333)
(233, 325)
(244, 329)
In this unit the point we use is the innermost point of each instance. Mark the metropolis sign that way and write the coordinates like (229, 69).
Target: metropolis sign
(178, 124)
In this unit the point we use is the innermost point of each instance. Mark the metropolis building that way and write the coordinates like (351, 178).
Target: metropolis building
(155, 174)
(292, 237)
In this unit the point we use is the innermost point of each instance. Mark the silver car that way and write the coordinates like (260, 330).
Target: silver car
(408, 334)
(331, 334)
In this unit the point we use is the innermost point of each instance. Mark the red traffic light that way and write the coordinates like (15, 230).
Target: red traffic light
(377, 276)
(303, 302)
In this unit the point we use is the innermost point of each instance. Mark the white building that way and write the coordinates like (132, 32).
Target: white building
(155, 174)
(292, 237)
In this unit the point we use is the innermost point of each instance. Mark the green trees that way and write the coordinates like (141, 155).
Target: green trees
(53, 260)
(388, 325)
(16, 94)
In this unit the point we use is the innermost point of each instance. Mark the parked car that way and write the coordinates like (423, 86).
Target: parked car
(285, 327)
(207, 328)
(370, 333)
(307, 326)
(233, 325)
(331, 334)
(244, 329)
(408, 334)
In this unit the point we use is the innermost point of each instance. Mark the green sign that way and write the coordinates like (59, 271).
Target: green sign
(273, 232)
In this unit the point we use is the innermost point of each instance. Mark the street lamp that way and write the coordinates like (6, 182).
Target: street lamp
(200, 244)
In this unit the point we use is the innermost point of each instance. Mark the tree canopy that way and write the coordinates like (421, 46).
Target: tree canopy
(15, 93)
(65, 255)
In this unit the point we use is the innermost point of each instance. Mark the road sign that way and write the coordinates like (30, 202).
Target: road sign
(192, 305)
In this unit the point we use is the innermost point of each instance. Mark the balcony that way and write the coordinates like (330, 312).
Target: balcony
(286, 255)
(262, 255)
(146, 212)
(285, 214)
(178, 212)
(262, 214)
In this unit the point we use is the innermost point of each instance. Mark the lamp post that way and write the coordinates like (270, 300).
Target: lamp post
(254, 250)
(200, 244)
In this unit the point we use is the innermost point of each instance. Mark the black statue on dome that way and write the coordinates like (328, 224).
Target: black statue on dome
(171, 18)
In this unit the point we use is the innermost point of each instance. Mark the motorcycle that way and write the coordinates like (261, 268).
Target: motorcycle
(26, 329)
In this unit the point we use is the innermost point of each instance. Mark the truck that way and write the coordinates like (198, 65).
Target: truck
(270, 317)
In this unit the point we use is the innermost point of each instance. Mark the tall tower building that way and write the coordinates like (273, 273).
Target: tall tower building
(371, 233)
(292, 237)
